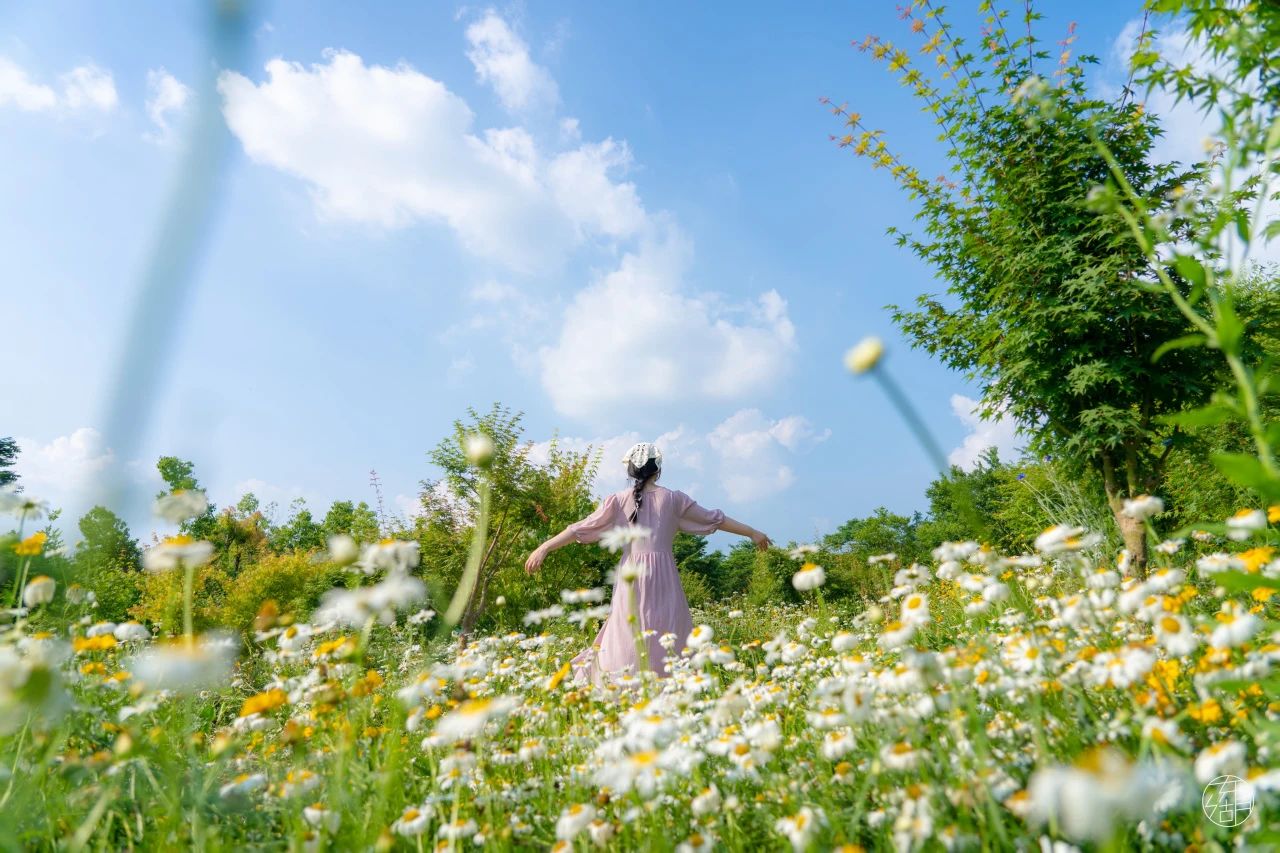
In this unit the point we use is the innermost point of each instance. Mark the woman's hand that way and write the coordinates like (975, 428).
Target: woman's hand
(761, 541)
(534, 562)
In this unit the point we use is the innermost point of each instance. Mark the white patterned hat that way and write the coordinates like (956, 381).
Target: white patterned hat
(641, 453)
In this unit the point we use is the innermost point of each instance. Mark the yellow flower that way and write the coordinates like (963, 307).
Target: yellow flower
(263, 702)
(1254, 558)
(32, 545)
(560, 675)
(1273, 513)
(102, 642)
(865, 355)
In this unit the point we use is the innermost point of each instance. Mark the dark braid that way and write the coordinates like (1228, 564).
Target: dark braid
(642, 476)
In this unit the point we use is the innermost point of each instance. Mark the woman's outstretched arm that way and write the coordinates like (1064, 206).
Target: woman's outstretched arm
(564, 537)
(730, 525)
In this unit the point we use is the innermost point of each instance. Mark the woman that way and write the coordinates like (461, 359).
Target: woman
(660, 604)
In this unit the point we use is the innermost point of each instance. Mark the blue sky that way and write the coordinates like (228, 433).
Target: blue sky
(627, 222)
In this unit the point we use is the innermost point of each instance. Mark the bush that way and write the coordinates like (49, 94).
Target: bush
(117, 590)
(295, 582)
(697, 590)
(160, 600)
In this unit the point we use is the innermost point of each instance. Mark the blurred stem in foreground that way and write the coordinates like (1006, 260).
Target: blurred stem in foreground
(184, 226)
(866, 358)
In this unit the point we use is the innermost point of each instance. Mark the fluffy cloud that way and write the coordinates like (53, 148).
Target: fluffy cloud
(85, 88)
(751, 450)
(392, 147)
(501, 59)
(166, 97)
(62, 470)
(634, 337)
(1000, 434)
(745, 457)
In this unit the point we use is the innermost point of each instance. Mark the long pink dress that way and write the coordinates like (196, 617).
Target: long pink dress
(661, 605)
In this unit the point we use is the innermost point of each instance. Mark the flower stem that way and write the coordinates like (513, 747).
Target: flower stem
(188, 592)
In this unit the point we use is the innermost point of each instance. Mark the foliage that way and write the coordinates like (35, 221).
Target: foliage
(8, 456)
(160, 599)
(529, 501)
(293, 583)
(179, 476)
(300, 533)
(697, 589)
(1047, 307)
(1206, 276)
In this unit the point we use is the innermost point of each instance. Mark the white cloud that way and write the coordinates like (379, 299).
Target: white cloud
(166, 97)
(745, 457)
(1000, 434)
(62, 470)
(501, 59)
(750, 447)
(633, 338)
(392, 147)
(84, 88)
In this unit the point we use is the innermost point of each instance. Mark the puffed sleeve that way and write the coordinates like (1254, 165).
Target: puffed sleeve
(591, 528)
(692, 518)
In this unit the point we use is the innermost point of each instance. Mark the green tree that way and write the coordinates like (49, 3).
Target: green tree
(355, 520)
(8, 457)
(299, 533)
(107, 560)
(529, 501)
(882, 532)
(1048, 305)
(105, 540)
(179, 475)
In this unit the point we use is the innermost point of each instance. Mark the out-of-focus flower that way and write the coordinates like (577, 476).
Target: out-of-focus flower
(181, 505)
(865, 355)
(1236, 626)
(131, 632)
(1143, 507)
(700, 636)
(1062, 538)
(915, 609)
(574, 820)
(1087, 799)
(242, 785)
(184, 668)
(478, 448)
(1245, 523)
(343, 550)
(39, 590)
(801, 827)
(810, 577)
(413, 821)
(12, 501)
(32, 545)
(468, 720)
(321, 817)
(617, 538)
(389, 555)
(1223, 758)
(176, 551)
(380, 601)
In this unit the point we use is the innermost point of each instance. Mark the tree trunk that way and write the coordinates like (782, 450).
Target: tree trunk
(1133, 531)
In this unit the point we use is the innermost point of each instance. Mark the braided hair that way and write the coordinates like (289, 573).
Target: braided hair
(642, 475)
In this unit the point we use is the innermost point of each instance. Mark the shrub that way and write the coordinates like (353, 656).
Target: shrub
(160, 599)
(696, 589)
(294, 582)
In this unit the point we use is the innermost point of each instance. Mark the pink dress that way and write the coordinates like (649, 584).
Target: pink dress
(660, 603)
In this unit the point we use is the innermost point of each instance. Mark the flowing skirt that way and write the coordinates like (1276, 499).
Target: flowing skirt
(657, 603)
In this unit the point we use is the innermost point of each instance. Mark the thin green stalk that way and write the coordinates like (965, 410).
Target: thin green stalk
(188, 592)
(467, 584)
(963, 499)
